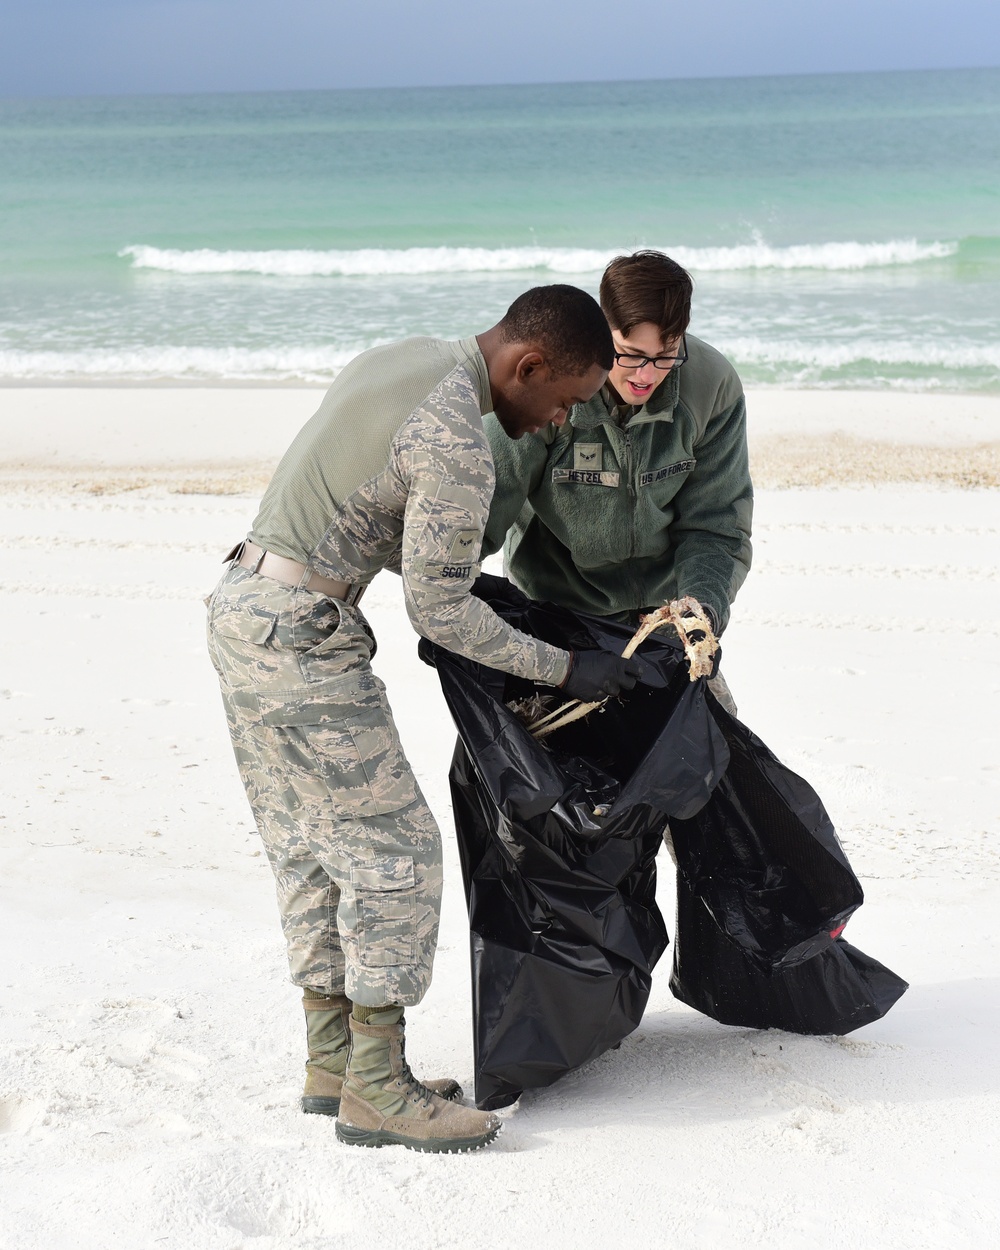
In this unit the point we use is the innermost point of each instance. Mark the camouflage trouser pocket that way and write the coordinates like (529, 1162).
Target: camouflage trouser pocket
(386, 906)
(264, 634)
(339, 744)
(330, 637)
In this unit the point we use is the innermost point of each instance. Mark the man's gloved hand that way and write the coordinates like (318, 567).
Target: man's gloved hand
(593, 675)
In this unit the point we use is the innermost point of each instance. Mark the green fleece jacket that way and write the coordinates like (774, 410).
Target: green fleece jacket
(613, 518)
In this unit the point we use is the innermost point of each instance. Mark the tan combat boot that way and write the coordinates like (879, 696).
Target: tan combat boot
(328, 1038)
(383, 1104)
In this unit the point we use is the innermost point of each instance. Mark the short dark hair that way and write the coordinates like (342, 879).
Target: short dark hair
(566, 323)
(647, 286)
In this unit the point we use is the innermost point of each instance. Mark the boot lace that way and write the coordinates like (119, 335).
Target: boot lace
(407, 1078)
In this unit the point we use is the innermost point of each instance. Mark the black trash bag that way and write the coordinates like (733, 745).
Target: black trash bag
(764, 891)
(558, 843)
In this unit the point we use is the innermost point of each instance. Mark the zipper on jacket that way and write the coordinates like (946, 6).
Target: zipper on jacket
(634, 507)
(630, 479)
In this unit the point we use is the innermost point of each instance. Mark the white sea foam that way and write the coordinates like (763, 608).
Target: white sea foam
(790, 361)
(830, 354)
(560, 260)
(278, 364)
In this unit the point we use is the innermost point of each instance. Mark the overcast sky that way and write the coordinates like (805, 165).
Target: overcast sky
(77, 47)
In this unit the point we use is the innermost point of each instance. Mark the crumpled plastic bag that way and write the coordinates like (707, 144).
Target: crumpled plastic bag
(558, 841)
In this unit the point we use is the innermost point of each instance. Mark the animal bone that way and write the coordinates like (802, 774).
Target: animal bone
(687, 617)
(532, 709)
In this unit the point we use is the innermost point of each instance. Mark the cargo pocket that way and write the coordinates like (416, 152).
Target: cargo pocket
(343, 744)
(237, 643)
(255, 628)
(386, 902)
(343, 642)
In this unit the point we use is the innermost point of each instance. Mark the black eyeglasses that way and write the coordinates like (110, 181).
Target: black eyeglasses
(628, 360)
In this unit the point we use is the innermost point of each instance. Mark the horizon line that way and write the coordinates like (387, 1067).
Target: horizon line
(481, 86)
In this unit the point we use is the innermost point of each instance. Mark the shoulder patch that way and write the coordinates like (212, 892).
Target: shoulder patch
(464, 547)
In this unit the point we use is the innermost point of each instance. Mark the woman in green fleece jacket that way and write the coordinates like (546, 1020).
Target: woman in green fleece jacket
(644, 495)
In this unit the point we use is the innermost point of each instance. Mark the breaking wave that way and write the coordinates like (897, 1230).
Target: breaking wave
(279, 364)
(377, 261)
(842, 355)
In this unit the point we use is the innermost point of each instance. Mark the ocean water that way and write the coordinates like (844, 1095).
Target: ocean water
(843, 230)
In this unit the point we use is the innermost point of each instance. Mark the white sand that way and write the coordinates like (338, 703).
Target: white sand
(150, 1045)
(119, 426)
(227, 440)
(127, 426)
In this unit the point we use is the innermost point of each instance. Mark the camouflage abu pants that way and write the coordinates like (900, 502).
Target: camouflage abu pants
(355, 850)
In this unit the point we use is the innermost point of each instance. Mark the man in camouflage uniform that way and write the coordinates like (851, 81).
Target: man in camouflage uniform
(393, 471)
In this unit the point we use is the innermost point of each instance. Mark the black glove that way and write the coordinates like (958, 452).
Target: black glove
(498, 590)
(594, 675)
(712, 616)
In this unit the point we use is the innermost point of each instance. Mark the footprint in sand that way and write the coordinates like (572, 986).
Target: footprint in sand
(19, 1115)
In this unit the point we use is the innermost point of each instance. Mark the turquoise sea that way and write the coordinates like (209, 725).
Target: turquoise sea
(843, 230)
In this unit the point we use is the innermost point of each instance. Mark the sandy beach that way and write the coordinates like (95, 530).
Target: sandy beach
(226, 440)
(150, 1048)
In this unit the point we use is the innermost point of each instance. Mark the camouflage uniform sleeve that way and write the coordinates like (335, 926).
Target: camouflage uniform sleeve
(443, 457)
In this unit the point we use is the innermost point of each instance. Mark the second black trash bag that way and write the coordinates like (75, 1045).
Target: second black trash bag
(764, 891)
